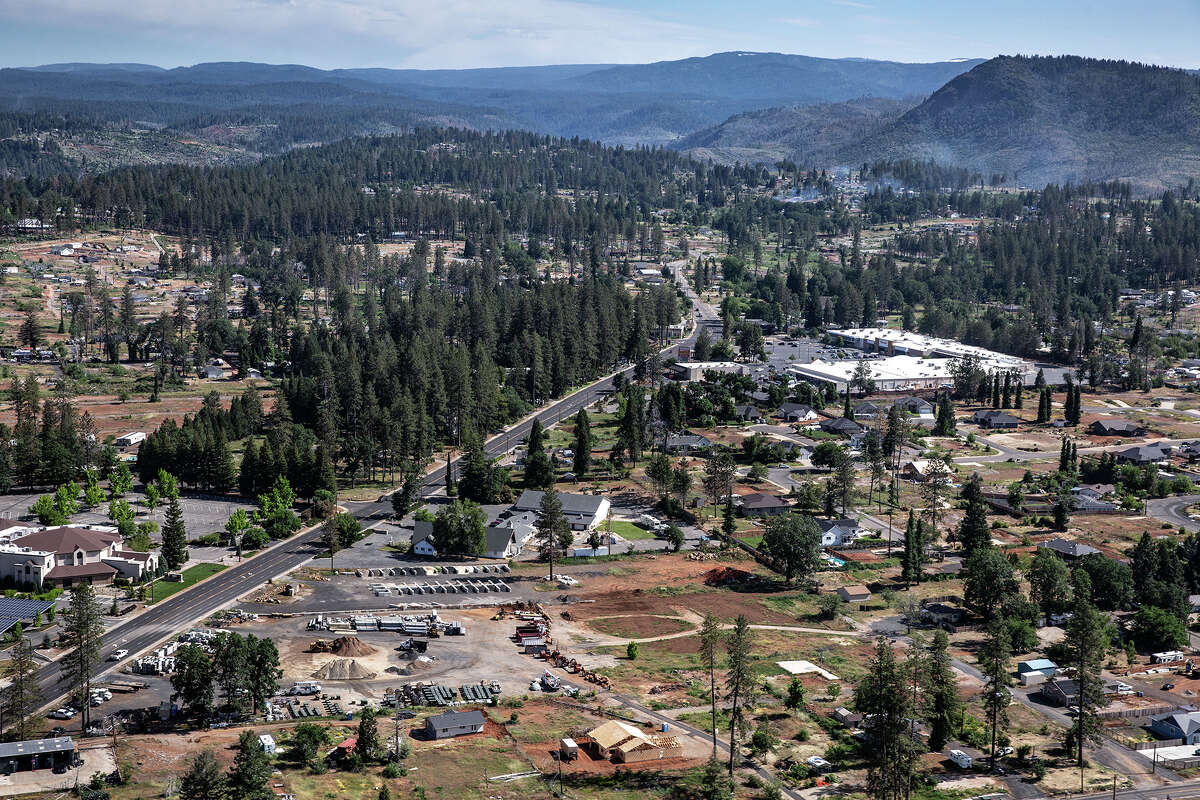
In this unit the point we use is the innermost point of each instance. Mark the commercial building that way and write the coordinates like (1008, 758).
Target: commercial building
(36, 754)
(583, 511)
(893, 374)
(894, 342)
(66, 555)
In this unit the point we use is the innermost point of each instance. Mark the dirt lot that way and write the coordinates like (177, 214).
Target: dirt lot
(485, 653)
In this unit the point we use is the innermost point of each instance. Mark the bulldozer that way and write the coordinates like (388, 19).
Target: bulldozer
(320, 646)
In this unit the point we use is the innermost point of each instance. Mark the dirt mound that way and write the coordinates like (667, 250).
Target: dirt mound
(722, 576)
(352, 647)
(343, 669)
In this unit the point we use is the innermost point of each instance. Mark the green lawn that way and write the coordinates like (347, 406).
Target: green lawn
(161, 589)
(628, 530)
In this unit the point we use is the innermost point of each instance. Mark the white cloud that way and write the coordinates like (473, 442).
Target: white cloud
(415, 33)
(799, 22)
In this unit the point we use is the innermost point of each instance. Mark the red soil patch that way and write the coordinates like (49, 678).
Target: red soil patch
(639, 626)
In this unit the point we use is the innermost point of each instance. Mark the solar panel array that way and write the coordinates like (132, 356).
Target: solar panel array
(20, 608)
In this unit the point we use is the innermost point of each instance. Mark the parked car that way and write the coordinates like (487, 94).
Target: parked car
(1168, 686)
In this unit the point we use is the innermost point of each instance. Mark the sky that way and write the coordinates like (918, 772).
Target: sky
(490, 33)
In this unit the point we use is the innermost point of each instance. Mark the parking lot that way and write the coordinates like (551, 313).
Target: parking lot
(201, 514)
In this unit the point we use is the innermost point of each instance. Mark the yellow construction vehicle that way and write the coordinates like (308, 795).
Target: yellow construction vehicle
(320, 646)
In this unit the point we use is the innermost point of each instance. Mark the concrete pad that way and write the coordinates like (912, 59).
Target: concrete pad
(806, 667)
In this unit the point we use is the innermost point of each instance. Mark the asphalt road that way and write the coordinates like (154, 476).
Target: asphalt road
(167, 617)
(1170, 509)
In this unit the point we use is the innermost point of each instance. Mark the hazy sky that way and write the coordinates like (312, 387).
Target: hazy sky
(479, 33)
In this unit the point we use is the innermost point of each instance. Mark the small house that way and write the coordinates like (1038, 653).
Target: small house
(1067, 549)
(678, 443)
(994, 419)
(267, 743)
(748, 413)
(837, 532)
(856, 593)
(761, 504)
(449, 724)
(422, 539)
(1061, 692)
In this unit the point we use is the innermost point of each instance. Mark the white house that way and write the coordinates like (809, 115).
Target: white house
(130, 439)
(422, 539)
(837, 532)
(267, 743)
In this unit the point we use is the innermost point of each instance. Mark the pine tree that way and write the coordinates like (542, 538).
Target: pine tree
(740, 680)
(367, 742)
(174, 536)
(539, 471)
(251, 771)
(204, 779)
(710, 643)
(945, 424)
(1086, 644)
(582, 460)
(886, 699)
(941, 700)
(23, 695)
(994, 659)
(551, 526)
(82, 628)
(913, 559)
(973, 531)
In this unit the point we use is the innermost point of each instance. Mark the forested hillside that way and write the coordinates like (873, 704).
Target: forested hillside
(804, 134)
(1042, 120)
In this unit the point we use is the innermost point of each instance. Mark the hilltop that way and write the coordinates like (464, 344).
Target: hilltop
(1057, 119)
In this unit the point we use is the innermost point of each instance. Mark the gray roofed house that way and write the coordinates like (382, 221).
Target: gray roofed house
(583, 511)
(687, 443)
(1142, 454)
(748, 413)
(992, 418)
(915, 405)
(762, 505)
(1068, 549)
(454, 723)
(211, 373)
(795, 412)
(1061, 692)
(1116, 427)
(841, 426)
(500, 542)
(1178, 725)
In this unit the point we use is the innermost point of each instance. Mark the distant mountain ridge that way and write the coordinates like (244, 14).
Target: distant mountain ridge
(623, 104)
(1033, 119)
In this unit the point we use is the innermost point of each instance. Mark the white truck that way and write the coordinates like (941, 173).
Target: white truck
(961, 759)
